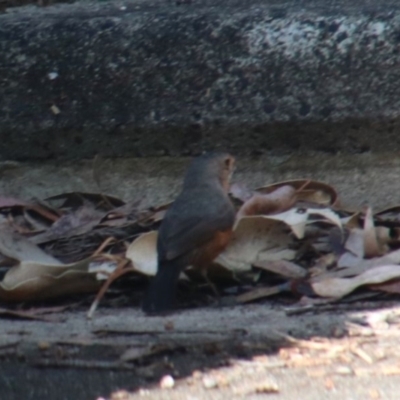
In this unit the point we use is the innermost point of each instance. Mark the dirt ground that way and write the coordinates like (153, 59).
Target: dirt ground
(348, 350)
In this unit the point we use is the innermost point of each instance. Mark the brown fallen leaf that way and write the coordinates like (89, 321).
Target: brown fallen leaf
(322, 265)
(140, 352)
(143, 253)
(339, 287)
(10, 202)
(19, 248)
(355, 242)
(308, 191)
(391, 214)
(256, 239)
(33, 281)
(74, 200)
(372, 248)
(277, 201)
(26, 315)
(298, 218)
(388, 287)
(240, 192)
(262, 292)
(282, 267)
(362, 265)
(74, 223)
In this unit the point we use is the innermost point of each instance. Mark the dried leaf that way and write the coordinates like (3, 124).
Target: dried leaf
(384, 237)
(143, 253)
(277, 201)
(308, 191)
(253, 237)
(37, 222)
(73, 200)
(322, 265)
(25, 315)
(282, 267)
(339, 287)
(260, 293)
(240, 191)
(19, 248)
(74, 223)
(298, 218)
(137, 353)
(352, 221)
(9, 202)
(388, 287)
(348, 259)
(33, 281)
(391, 214)
(355, 242)
(371, 245)
(361, 265)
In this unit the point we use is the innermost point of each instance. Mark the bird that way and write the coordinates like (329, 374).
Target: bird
(195, 229)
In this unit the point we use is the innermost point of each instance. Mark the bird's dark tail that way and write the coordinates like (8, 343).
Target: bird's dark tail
(160, 296)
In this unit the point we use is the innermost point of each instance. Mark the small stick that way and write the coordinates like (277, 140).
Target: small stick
(119, 271)
(103, 245)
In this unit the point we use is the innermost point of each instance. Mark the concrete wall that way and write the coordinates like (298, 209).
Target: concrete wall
(151, 78)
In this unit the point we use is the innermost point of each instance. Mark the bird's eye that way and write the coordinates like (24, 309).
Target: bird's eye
(227, 162)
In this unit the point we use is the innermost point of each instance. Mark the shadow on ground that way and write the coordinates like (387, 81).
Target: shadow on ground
(79, 359)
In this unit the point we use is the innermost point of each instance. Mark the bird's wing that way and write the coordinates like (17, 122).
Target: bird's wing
(183, 234)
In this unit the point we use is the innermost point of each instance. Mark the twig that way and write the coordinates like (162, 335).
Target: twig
(262, 292)
(106, 242)
(119, 271)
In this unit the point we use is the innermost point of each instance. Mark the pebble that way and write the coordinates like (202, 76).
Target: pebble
(268, 386)
(209, 382)
(167, 382)
(343, 370)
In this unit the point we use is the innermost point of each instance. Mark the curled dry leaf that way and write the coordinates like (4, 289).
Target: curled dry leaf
(19, 248)
(9, 202)
(355, 242)
(339, 287)
(143, 253)
(372, 248)
(240, 191)
(308, 191)
(262, 292)
(277, 201)
(255, 239)
(391, 214)
(352, 221)
(322, 264)
(33, 281)
(77, 222)
(298, 218)
(358, 266)
(282, 267)
(388, 287)
(74, 200)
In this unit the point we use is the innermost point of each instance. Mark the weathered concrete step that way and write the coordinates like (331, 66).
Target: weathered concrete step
(359, 179)
(159, 77)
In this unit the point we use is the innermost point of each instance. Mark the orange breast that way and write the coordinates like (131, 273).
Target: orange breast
(209, 251)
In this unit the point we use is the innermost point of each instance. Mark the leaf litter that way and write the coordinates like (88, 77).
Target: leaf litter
(290, 236)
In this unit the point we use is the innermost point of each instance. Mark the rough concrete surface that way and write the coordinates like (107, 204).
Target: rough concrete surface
(359, 179)
(155, 77)
(234, 352)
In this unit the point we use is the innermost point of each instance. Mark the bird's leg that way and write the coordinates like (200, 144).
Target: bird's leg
(210, 284)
